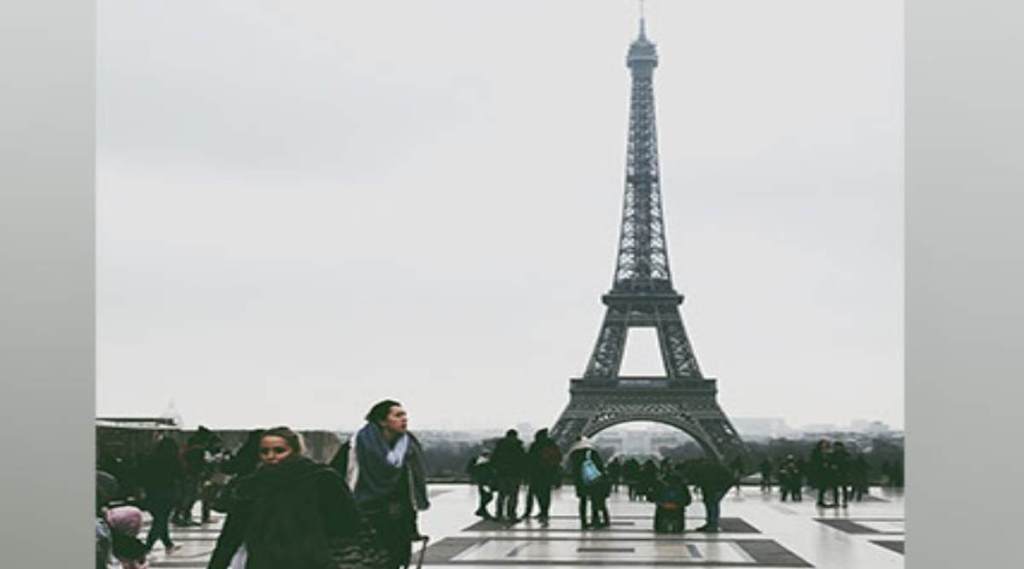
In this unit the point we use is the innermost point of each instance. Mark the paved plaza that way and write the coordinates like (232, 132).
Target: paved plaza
(758, 531)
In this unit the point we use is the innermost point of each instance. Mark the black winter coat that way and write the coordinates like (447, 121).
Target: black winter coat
(712, 477)
(286, 515)
(509, 458)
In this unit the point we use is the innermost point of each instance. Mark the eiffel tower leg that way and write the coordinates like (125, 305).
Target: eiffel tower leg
(723, 436)
(676, 351)
(570, 424)
(611, 340)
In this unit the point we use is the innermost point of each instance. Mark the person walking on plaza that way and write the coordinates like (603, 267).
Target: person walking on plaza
(481, 472)
(383, 465)
(215, 478)
(714, 480)
(195, 470)
(886, 470)
(648, 480)
(288, 514)
(739, 470)
(859, 470)
(246, 459)
(631, 477)
(615, 473)
(528, 475)
(820, 470)
(161, 476)
(544, 461)
(790, 479)
(591, 482)
(803, 472)
(509, 459)
(841, 474)
(766, 475)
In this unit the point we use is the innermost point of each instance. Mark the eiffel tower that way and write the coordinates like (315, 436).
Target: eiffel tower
(642, 295)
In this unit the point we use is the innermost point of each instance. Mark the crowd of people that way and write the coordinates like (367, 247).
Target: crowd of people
(503, 470)
(283, 509)
(287, 511)
(837, 475)
(511, 465)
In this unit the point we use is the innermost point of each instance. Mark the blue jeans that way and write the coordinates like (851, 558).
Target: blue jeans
(711, 504)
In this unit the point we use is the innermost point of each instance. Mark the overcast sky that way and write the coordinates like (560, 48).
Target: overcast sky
(304, 207)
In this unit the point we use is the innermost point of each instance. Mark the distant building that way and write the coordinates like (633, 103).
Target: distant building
(640, 441)
(763, 427)
(821, 429)
(870, 427)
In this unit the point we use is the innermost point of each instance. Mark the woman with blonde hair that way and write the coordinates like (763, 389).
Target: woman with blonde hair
(288, 514)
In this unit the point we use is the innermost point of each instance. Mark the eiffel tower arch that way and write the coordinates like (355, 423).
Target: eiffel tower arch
(642, 295)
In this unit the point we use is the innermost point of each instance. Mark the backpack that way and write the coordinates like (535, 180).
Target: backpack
(550, 456)
(590, 474)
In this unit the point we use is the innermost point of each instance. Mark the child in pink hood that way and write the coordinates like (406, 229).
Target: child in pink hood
(125, 524)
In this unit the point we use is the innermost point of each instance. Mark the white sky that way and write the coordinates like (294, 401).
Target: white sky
(304, 207)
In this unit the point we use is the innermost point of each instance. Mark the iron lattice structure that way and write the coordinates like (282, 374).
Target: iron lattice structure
(642, 295)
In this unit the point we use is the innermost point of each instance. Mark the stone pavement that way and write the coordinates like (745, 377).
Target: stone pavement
(758, 531)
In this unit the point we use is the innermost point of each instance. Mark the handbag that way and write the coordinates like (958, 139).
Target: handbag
(360, 551)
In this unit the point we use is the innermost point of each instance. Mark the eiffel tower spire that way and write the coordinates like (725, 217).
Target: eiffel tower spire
(642, 260)
(642, 294)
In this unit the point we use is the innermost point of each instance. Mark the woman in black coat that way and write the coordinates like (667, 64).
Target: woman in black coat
(595, 491)
(162, 475)
(288, 512)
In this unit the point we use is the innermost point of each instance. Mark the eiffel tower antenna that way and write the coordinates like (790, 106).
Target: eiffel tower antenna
(643, 29)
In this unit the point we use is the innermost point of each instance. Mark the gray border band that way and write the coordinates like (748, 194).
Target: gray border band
(964, 277)
(47, 134)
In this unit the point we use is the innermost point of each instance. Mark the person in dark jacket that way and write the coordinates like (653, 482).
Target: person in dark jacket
(287, 512)
(820, 468)
(195, 468)
(615, 473)
(161, 480)
(739, 470)
(648, 480)
(767, 470)
(841, 474)
(544, 472)
(481, 472)
(631, 477)
(671, 496)
(246, 459)
(714, 480)
(509, 460)
(593, 486)
(859, 472)
(790, 479)
(383, 465)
